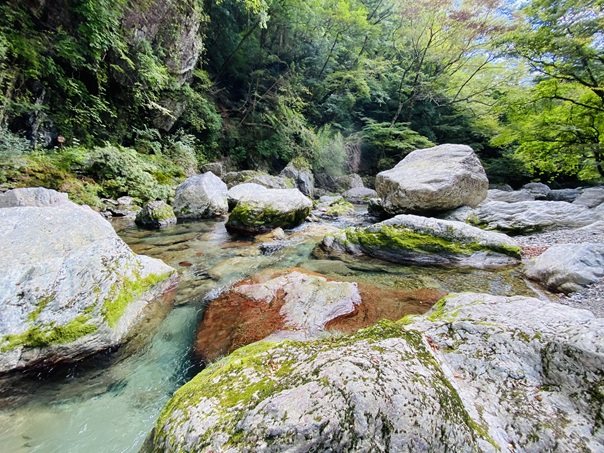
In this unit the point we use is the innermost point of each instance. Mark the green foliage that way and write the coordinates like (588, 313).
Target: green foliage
(12, 145)
(387, 144)
(122, 171)
(330, 156)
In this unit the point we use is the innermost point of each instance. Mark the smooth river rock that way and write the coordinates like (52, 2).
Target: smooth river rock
(201, 196)
(477, 374)
(431, 180)
(259, 209)
(567, 267)
(591, 197)
(411, 239)
(530, 216)
(69, 286)
(156, 214)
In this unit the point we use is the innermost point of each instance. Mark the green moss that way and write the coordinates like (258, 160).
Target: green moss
(404, 239)
(248, 217)
(41, 305)
(114, 307)
(51, 334)
(340, 207)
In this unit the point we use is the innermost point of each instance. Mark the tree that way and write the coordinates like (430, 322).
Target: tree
(559, 125)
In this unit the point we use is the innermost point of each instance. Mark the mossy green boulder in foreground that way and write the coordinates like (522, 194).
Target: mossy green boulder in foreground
(425, 241)
(259, 210)
(477, 373)
(69, 285)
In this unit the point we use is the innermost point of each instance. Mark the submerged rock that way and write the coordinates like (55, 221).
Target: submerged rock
(201, 196)
(568, 267)
(156, 214)
(529, 216)
(70, 286)
(262, 210)
(425, 241)
(478, 373)
(431, 180)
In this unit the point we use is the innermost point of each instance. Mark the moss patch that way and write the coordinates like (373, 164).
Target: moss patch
(404, 239)
(50, 334)
(114, 307)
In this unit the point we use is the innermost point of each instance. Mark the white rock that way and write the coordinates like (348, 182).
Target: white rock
(567, 267)
(201, 196)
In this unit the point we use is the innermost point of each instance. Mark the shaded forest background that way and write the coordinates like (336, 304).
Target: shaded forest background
(103, 98)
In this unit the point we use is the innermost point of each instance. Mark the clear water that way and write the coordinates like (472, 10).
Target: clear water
(110, 403)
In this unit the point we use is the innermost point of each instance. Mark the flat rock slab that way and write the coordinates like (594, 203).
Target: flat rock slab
(477, 373)
(530, 216)
(433, 180)
(410, 239)
(568, 267)
(69, 285)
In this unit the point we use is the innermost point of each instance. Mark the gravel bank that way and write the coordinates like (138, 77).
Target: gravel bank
(590, 298)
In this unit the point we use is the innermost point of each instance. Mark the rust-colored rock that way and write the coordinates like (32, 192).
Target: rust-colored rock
(299, 304)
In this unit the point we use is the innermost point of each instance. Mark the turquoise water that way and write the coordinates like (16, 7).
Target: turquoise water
(110, 403)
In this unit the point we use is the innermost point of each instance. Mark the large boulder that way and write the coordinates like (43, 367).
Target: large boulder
(478, 373)
(234, 178)
(591, 198)
(347, 182)
(568, 267)
(433, 180)
(156, 214)
(331, 207)
(411, 239)
(201, 196)
(262, 210)
(240, 191)
(301, 305)
(302, 177)
(270, 182)
(529, 216)
(69, 286)
(33, 196)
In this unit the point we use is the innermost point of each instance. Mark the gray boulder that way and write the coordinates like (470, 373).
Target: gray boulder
(567, 267)
(302, 177)
(568, 195)
(347, 182)
(262, 210)
(268, 181)
(537, 189)
(599, 211)
(215, 167)
(156, 214)
(431, 180)
(333, 207)
(70, 286)
(33, 196)
(424, 241)
(529, 216)
(234, 178)
(239, 191)
(478, 373)
(509, 197)
(359, 195)
(591, 198)
(201, 196)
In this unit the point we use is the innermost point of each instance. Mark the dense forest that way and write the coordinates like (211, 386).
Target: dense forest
(103, 98)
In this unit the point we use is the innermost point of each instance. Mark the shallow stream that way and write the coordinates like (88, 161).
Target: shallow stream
(110, 403)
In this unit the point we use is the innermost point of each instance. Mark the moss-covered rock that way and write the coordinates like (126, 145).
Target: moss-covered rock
(70, 286)
(472, 375)
(425, 241)
(262, 210)
(157, 214)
